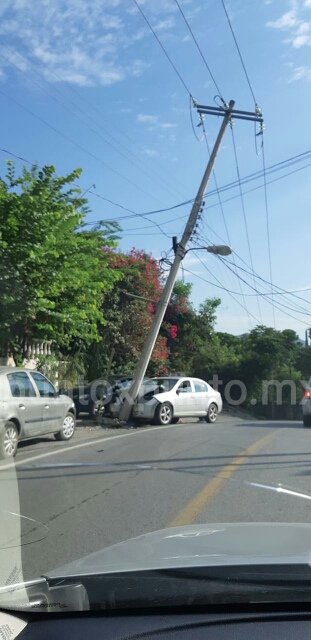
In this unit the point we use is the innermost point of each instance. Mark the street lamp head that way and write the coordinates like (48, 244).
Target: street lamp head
(220, 249)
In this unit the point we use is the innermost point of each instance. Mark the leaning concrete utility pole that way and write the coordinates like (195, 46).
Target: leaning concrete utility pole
(169, 285)
(227, 112)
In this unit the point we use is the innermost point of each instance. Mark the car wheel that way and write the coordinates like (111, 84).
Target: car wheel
(68, 428)
(307, 421)
(212, 413)
(164, 414)
(8, 441)
(92, 408)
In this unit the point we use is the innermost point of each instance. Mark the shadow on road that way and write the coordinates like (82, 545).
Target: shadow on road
(30, 443)
(202, 465)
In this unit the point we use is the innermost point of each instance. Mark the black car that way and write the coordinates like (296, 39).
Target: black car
(87, 395)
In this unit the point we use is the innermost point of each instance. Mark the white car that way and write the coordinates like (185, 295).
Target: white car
(165, 400)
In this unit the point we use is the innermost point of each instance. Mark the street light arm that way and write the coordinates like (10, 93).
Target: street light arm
(216, 249)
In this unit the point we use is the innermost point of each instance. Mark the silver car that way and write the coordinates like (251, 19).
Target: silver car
(30, 407)
(165, 400)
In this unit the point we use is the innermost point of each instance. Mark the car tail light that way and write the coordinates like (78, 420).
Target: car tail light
(307, 393)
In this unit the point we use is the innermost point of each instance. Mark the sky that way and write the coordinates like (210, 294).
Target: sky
(84, 83)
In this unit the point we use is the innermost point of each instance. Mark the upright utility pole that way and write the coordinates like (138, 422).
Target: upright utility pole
(169, 285)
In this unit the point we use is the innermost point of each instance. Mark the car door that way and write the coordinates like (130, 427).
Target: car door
(52, 406)
(183, 402)
(27, 403)
(201, 397)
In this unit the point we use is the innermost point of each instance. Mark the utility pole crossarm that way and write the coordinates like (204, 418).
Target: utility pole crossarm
(169, 285)
(253, 116)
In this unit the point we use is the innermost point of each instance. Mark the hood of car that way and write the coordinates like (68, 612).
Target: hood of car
(165, 396)
(198, 546)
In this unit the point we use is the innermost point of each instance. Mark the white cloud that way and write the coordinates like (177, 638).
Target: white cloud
(76, 41)
(139, 35)
(300, 41)
(156, 125)
(138, 67)
(301, 73)
(165, 24)
(286, 21)
(167, 125)
(295, 23)
(304, 27)
(151, 153)
(147, 119)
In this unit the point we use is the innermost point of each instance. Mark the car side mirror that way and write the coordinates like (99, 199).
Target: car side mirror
(61, 392)
(178, 391)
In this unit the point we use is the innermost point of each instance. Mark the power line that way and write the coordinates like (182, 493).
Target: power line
(254, 176)
(243, 209)
(239, 51)
(223, 213)
(272, 303)
(192, 123)
(254, 189)
(91, 117)
(162, 47)
(275, 290)
(237, 293)
(222, 189)
(272, 287)
(134, 214)
(227, 290)
(49, 93)
(142, 215)
(280, 290)
(267, 215)
(212, 206)
(76, 144)
(199, 48)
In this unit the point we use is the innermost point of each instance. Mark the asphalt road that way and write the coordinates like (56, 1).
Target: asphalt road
(109, 485)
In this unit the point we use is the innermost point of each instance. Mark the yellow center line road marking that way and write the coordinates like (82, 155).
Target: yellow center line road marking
(191, 511)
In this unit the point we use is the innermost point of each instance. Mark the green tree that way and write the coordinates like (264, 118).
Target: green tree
(194, 349)
(128, 309)
(269, 354)
(53, 271)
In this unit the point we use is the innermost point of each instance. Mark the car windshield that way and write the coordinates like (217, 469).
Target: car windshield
(155, 327)
(163, 384)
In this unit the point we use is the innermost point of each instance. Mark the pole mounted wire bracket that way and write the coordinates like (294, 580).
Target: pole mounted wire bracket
(252, 116)
(261, 129)
(201, 123)
(194, 102)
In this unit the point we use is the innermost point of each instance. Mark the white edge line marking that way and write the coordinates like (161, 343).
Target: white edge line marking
(40, 456)
(280, 489)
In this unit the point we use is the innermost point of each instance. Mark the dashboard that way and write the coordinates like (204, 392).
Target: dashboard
(260, 625)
